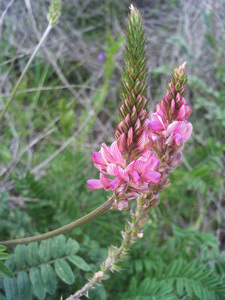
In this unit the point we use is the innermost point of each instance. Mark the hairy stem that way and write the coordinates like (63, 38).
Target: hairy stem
(89, 217)
(48, 29)
(132, 232)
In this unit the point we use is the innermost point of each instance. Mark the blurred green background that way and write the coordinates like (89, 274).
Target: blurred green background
(67, 107)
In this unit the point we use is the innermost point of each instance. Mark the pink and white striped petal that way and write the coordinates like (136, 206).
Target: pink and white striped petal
(105, 181)
(115, 183)
(135, 176)
(98, 159)
(95, 184)
(116, 154)
(151, 176)
(184, 128)
(106, 154)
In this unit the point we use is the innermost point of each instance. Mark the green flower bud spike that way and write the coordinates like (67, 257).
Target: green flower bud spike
(54, 12)
(133, 111)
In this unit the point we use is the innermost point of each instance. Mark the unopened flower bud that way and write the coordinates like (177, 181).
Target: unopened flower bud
(175, 160)
(154, 202)
(140, 233)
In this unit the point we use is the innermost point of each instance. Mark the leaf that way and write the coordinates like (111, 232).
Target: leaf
(72, 247)
(64, 271)
(37, 283)
(58, 248)
(11, 290)
(20, 256)
(44, 250)
(24, 285)
(49, 278)
(3, 256)
(79, 262)
(180, 287)
(2, 248)
(5, 271)
(32, 256)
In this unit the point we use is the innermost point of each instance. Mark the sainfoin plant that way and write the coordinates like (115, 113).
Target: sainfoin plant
(136, 166)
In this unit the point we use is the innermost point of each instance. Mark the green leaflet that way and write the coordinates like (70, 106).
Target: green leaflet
(58, 246)
(49, 278)
(72, 247)
(37, 283)
(24, 286)
(79, 262)
(5, 271)
(64, 271)
(20, 256)
(44, 250)
(2, 248)
(11, 290)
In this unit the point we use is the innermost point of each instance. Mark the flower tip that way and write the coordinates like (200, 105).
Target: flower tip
(182, 67)
(131, 7)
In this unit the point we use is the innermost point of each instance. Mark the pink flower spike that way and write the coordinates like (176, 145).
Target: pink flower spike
(94, 184)
(151, 176)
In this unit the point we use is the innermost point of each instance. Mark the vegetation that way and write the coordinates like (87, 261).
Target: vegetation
(65, 107)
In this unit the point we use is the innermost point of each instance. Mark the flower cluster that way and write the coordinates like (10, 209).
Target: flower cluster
(145, 151)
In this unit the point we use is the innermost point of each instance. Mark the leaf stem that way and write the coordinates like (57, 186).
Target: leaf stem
(75, 224)
(48, 29)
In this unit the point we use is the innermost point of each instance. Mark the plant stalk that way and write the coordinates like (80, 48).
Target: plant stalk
(132, 232)
(75, 224)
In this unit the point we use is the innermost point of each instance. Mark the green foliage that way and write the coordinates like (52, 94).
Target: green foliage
(38, 268)
(4, 271)
(186, 265)
(14, 222)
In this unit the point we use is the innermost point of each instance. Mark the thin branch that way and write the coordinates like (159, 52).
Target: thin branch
(89, 217)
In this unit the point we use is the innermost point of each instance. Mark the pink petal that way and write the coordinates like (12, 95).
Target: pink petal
(151, 176)
(176, 127)
(94, 184)
(115, 170)
(178, 139)
(188, 132)
(112, 169)
(97, 158)
(106, 155)
(172, 106)
(116, 154)
(105, 181)
(130, 137)
(115, 183)
(122, 142)
(142, 141)
(135, 176)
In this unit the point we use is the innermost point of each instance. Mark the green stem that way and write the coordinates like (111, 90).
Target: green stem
(116, 254)
(89, 217)
(48, 29)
